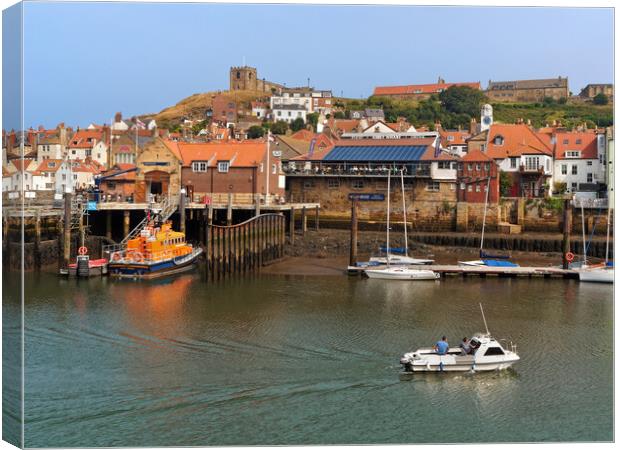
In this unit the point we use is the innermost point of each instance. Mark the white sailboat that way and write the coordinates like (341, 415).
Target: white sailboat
(397, 259)
(596, 273)
(487, 260)
(398, 272)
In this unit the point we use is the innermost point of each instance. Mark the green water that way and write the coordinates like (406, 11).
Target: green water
(307, 360)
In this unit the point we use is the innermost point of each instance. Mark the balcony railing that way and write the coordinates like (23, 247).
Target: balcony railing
(351, 169)
(529, 169)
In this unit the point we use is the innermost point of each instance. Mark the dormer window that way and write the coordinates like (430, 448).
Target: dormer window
(499, 140)
(573, 154)
(578, 141)
(51, 164)
(223, 166)
(199, 166)
(450, 138)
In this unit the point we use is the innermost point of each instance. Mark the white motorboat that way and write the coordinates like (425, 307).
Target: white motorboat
(486, 354)
(596, 274)
(401, 273)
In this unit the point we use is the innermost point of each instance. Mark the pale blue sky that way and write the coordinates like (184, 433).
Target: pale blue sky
(83, 62)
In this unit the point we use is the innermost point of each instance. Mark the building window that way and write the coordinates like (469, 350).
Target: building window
(574, 169)
(462, 186)
(199, 166)
(333, 183)
(565, 142)
(469, 188)
(564, 169)
(460, 166)
(357, 184)
(478, 167)
(274, 169)
(573, 154)
(469, 167)
(443, 164)
(531, 163)
(589, 178)
(499, 140)
(222, 166)
(432, 186)
(578, 141)
(450, 138)
(513, 163)
(573, 186)
(477, 187)
(589, 163)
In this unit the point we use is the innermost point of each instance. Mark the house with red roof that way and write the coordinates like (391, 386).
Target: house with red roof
(118, 182)
(455, 141)
(243, 168)
(580, 161)
(89, 144)
(419, 91)
(519, 152)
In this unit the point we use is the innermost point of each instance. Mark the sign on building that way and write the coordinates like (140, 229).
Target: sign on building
(366, 197)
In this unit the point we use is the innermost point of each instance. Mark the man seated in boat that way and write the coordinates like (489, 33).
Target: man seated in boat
(465, 346)
(441, 347)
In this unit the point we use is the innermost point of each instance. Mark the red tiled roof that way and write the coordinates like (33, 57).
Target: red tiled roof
(303, 135)
(241, 154)
(429, 155)
(45, 166)
(476, 155)
(81, 138)
(420, 88)
(588, 144)
(519, 139)
(128, 176)
(458, 137)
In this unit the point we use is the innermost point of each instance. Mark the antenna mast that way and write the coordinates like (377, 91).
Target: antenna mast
(483, 318)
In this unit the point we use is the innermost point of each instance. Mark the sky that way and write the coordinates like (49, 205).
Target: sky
(85, 61)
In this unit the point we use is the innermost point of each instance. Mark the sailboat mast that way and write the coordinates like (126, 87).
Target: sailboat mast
(402, 187)
(607, 239)
(484, 216)
(583, 233)
(387, 249)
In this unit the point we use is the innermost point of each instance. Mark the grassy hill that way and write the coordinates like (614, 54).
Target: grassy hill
(570, 114)
(194, 106)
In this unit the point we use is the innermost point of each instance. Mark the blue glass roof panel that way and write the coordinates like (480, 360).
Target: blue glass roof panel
(376, 153)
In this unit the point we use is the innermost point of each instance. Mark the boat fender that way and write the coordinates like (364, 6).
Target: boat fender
(440, 366)
(570, 257)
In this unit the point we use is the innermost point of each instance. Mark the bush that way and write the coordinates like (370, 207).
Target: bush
(279, 127)
(505, 183)
(559, 187)
(298, 124)
(255, 132)
(339, 115)
(600, 99)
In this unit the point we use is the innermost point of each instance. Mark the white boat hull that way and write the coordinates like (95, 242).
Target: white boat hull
(472, 263)
(597, 275)
(400, 260)
(401, 273)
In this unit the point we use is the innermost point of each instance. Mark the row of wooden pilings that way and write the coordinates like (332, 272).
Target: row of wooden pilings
(245, 247)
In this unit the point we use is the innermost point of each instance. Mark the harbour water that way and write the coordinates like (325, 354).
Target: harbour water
(283, 359)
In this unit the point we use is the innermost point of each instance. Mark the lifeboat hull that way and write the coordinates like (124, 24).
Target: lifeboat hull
(149, 270)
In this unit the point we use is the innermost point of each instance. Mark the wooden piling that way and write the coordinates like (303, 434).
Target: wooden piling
(291, 229)
(568, 214)
(316, 218)
(304, 221)
(126, 223)
(67, 231)
(182, 211)
(108, 224)
(257, 204)
(353, 250)
(229, 209)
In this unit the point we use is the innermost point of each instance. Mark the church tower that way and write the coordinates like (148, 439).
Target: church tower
(243, 78)
(486, 117)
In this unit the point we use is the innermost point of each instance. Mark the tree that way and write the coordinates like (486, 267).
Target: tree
(339, 115)
(279, 127)
(505, 183)
(255, 132)
(462, 100)
(312, 119)
(600, 99)
(298, 124)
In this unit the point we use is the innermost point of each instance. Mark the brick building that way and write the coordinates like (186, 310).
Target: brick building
(240, 168)
(528, 90)
(246, 78)
(476, 171)
(224, 109)
(118, 182)
(159, 170)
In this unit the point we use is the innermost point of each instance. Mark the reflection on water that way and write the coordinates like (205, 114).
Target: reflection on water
(307, 360)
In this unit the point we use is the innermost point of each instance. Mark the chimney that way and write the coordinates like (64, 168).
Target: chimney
(473, 127)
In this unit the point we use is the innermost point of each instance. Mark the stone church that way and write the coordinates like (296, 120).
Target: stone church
(245, 78)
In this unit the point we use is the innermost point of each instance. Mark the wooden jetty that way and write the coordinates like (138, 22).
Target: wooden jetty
(484, 271)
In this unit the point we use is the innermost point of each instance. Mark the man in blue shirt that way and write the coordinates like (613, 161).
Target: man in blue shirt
(441, 347)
